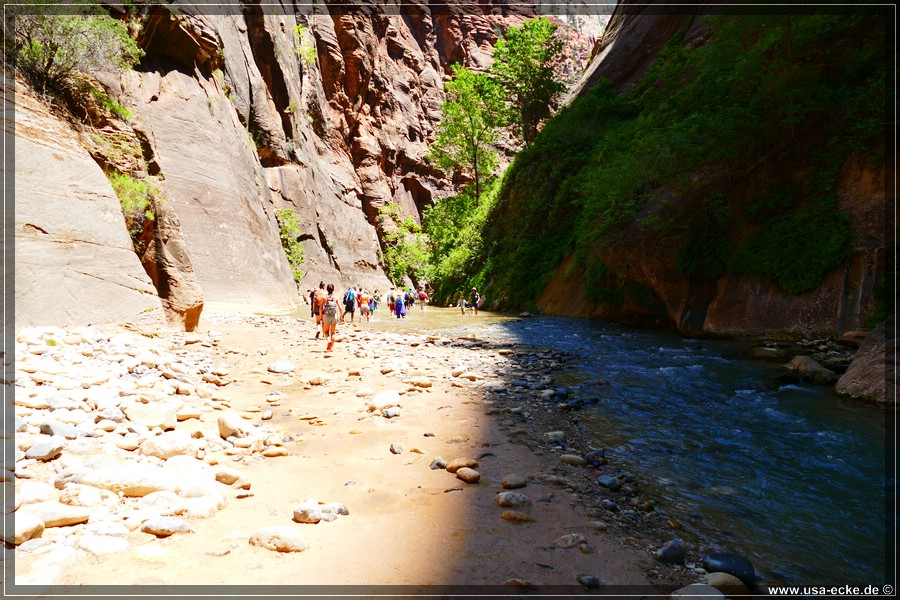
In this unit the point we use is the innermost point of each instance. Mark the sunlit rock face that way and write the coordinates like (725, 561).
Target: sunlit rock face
(241, 111)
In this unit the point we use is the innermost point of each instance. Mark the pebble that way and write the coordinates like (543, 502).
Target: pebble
(438, 463)
(458, 463)
(308, 512)
(47, 450)
(513, 481)
(569, 541)
(672, 552)
(588, 581)
(515, 516)
(609, 482)
(57, 428)
(279, 538)
(165, 526)
(468, 475)
(281, 366)
(391, 412)
(574, 460)
(512, 499)
(396, 449)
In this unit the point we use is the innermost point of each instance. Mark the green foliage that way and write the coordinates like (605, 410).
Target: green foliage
(796, 249)
(454, 226)
(305, 49)
(473, 112)
(109, 104)
(136, 196)
(289, 232)
(524, 65)
(405, 251)
(52, 48)
(139, 200)
(723, 158)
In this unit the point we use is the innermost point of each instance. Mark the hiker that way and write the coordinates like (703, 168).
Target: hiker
(462, 304)
(476, 298)
(391, 299)
(310, 299)
(400, 309)
(376, 300)
(318, 299)
(362, 300)
(423, 298)
(349, 304)
(331, 312)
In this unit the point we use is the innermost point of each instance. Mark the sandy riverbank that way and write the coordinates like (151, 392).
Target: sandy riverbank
(408, 524)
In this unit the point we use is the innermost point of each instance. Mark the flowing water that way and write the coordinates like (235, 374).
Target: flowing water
(786, 474)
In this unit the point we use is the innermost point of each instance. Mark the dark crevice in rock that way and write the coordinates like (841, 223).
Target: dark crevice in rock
(323, 242)
(264, 55)
(178, 43)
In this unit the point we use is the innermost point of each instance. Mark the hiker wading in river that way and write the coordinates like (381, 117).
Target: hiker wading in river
(331, 312)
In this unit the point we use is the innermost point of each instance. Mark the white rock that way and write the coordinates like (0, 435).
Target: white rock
(54, 514)
(132, 479)
(27, 526)
(32, 492)
(232, 424)
(169, 444)
(279, 538)
(163, 415)
(385, 399)
(99, 545)
(308, 512)
(281, 366)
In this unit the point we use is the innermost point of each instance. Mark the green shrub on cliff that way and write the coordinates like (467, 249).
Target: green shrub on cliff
(405, 252)
(289, 232)
(723, 159)
(51, 47)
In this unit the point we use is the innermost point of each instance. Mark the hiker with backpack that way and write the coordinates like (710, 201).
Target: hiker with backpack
(331, 312)
(399, 308)
(362, 299)
(349, 304)
(318, 300)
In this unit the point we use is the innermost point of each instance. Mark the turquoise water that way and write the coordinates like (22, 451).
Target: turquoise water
(788, 475)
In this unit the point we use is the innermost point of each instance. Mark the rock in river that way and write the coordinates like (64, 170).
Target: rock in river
(610, 482)
(731, 563)
(671, 552)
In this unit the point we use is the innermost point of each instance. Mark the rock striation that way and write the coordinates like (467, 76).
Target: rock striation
(74, 263)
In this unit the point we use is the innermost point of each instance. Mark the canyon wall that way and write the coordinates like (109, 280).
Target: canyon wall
(238, 111)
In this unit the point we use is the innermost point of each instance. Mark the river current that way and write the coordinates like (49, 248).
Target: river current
(786, 474)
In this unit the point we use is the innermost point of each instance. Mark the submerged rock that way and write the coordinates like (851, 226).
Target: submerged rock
(731, 563)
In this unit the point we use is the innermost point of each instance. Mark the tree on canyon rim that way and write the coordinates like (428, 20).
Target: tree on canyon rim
(473, 112)
(524, 59)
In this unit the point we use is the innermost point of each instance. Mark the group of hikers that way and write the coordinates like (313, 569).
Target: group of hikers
(328, 310)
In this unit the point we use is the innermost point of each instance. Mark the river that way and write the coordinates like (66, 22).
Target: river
(788, 475)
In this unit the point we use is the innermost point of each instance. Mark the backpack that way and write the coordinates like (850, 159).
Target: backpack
(330, 307)
(348, 297)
